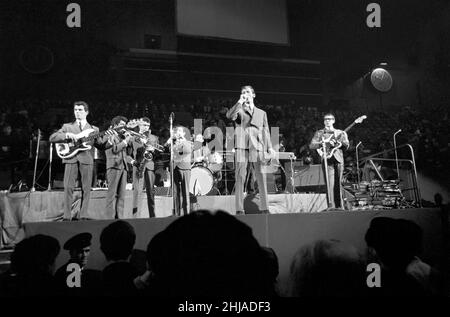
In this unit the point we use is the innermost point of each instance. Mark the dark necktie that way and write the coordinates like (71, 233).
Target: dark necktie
(79, 124)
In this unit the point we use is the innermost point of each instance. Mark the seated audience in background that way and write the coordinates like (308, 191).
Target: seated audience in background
(395, 244)
(209, 254)
(327, 268)
(79, 247)
(116, 242)
(32, 268)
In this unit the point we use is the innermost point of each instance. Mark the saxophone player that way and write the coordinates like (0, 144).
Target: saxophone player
(144, 167)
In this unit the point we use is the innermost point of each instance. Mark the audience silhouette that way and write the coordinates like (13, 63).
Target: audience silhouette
(209, 254)
(116, 242)
(327, 268)
(32, 268)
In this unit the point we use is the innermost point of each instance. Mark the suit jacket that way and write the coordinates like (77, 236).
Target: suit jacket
(182, 155)
(339, 135)
(137, 150)
(85, 157)
(252, 129)
(117, 156)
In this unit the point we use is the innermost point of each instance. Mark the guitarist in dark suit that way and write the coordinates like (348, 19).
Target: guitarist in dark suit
(252, 143)
(81, 163)
(144, 169)
(117, 160)
(336, 161)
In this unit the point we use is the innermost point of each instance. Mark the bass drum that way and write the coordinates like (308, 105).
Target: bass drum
(215, 162)
(201, 181)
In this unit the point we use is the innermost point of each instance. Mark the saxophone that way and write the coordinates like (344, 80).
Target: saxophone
(145, 154)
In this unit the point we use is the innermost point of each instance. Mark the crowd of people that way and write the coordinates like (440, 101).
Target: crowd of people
(214, 254)
(424, 128)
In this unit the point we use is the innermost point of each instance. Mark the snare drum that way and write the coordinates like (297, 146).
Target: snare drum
(215, 162)
(201, 181)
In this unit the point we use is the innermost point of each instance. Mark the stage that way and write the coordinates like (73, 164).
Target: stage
(285, 233)
(16, 209)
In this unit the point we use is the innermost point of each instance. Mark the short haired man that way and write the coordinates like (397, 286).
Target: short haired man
(253, 145)
(144, 169)
(82, 162)
(336, 161)
(79, 247)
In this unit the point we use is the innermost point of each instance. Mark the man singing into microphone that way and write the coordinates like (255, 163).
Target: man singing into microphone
(253, 146)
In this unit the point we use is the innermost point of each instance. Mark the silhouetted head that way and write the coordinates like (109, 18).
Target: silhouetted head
(327, 268)
(35, 255)
(210, 254)
(117, 240)
(395, 241)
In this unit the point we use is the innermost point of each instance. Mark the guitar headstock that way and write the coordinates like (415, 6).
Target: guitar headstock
(360, 119)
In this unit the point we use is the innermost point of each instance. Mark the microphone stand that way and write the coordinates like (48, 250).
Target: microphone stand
(33, 189)
(324, 158)
(357, 162)
(172, 165)
(395, 150)
(49, 188)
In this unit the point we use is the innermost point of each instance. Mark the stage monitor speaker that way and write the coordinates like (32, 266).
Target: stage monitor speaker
(152, 41)
(307, 178)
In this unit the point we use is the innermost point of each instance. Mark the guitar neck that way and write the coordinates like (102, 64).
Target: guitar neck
(349, 127)
(98, 134)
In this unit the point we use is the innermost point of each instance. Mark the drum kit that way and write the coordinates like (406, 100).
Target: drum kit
(203, 174)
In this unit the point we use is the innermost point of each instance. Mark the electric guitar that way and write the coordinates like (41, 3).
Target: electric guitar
(331, 149)
(70, 148)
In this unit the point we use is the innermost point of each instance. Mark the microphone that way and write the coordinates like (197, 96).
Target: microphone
(400, 130)
(171, 116)
(359, 143)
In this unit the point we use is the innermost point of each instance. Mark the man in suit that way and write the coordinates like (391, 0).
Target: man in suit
(81, 163)
(182, 152)
(79, 247)
(253, 146)
(336, 162)
(117, 160)
(143, 169)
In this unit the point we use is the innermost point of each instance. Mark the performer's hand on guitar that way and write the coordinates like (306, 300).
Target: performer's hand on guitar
(71, 136)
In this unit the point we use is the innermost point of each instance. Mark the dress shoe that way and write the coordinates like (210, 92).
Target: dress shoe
(84, 218)
(239, 212)
(66, 219)
(265, 212)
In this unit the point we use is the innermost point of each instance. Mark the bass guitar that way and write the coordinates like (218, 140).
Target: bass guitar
(69, 149)
(337, 144)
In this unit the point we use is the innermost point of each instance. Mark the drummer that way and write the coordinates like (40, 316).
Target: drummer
(200, 151)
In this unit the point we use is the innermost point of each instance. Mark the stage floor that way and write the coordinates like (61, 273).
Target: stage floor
(285, 233)
(17, 209)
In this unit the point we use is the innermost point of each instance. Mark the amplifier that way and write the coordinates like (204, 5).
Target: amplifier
(307, 178)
